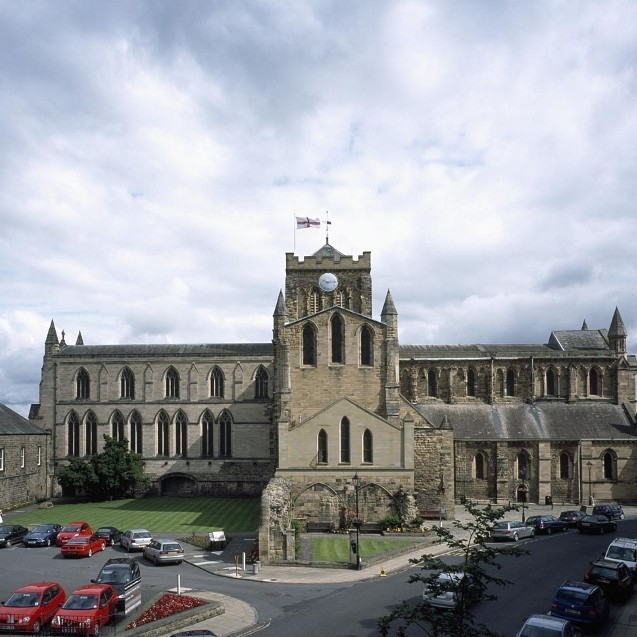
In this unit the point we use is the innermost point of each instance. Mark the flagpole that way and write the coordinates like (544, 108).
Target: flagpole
(294, 220)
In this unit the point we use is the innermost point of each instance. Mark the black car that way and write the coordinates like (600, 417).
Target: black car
(614, 578)
(124, 575)
(110, 534)
(546, 524)
(596, 524)
(611, 511)
(42, 535)
(571, 518)
(12, 534)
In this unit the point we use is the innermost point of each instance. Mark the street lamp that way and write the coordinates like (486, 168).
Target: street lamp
(356, 480)
(589, 464)
(523, 492)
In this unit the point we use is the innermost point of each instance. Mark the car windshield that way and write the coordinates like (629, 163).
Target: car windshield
(23, 600)
(42, 528)
(541, 631)
(172, 547)
(142, 535)
(571, 596)
(104, 529)
(115, 575)
(604, 571)
(71, 527)
(78, 540)
(619, 553)
(81, 602)
(501, 525)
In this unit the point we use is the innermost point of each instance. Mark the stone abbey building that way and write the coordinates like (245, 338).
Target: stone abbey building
(336, 395)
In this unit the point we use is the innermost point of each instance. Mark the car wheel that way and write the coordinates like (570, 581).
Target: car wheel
(90, 552)
(516, 537)
(179, 562)
(156, 560)
(36, 626)
(8, 544)
(128, 547)
(548, 531)
(532, 532)
(103, 547)
(96, 630)
(601, 530)
(47, 543)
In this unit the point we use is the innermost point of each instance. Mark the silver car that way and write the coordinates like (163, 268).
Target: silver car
(135, 539)
(164, 552)
(511, 530)
(451, 590)
(547, 626)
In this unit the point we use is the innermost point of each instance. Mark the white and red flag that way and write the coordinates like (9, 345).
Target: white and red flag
(306, 222)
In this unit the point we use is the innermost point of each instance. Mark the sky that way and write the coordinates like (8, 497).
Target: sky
(154, 155)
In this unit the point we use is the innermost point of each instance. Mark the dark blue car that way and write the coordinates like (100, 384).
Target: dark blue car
(546, 524)
(581, 603)
(42, 535)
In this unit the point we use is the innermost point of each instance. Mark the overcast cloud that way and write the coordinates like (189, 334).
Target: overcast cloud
(154, 155)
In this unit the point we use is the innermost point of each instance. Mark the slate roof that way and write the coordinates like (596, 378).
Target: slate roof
(203, 350)
(538, 421)
(579, 339)
(12, 423)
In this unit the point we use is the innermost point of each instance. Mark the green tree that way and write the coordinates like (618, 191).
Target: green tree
(109, 475)
(480, 563)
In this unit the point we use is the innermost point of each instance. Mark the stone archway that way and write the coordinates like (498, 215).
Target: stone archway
(179, 485)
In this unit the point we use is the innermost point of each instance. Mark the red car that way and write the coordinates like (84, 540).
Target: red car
(31, 607)
(82, 546)
(73, 529)
(88, 608)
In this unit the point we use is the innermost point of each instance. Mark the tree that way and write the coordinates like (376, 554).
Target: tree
(479, 563)
(109, 475)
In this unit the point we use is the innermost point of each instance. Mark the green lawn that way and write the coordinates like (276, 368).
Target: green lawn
(173, 515)
(336, 549)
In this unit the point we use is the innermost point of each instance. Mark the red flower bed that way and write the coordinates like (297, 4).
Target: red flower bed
(168, 604)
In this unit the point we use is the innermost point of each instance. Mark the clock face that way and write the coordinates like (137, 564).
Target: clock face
(328, 282)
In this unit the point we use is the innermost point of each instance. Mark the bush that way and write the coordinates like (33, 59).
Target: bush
(392, 523)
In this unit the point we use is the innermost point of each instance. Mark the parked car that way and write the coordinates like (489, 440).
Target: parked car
(596, 524)
(42, 535)
(546, 524)
(511, 530)
(614, 578)
(86, 610)
(31, 607)
(548, 626)
(81, 546)
(581, 603)
(451, 590)
(135, 539)
(12, 534)
(124, 575)
(571, 518)
(164, 552)
(623, 549)
(611, 511)
(203, 632)
(73, 529)
(110, 534)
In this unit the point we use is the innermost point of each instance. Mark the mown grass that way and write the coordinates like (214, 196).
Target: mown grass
(336, 549)
(162, 514)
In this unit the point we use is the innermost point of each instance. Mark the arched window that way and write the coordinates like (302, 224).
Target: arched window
(83, 385)
(471, 383)
(610, 466)
(216, 383)
(127, 383)
(117, 426)
(225, 435)
(172, 383)
(207, 426)
(261, 384)
(368, 446)
(181, 434)
(337, 333)
(367, 346)
(345, 440)
(524, 467)
(593, 383)
(322, 447)
(565, 466)
(163, 436)
(550, 383)
(480, 469)
(135, 421)
(73, 425)
(432, 384)
(510, 383)
(309, 344)
(90, 424)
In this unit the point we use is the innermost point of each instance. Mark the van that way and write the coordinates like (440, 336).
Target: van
(623, 549)
(123, 574)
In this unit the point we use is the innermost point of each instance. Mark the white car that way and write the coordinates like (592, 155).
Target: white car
(511, 530)
(451, 590)
(547, 626)
(135, 539)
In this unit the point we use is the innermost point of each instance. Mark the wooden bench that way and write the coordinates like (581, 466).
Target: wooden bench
(432, 514)
(371, 527)
(319, 527)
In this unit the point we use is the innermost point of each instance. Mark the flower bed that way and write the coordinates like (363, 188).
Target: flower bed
(167, 605)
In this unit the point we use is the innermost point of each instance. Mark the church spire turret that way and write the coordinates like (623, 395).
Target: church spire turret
(617, 333)
(52, 344)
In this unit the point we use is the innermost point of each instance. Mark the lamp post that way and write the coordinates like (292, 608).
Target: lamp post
(523, 492)
(356, 480)
(589, 464)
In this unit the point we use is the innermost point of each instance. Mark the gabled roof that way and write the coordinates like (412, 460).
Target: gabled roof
(202, 350)
(12, 423)
(537, 421)
(338, 407)
(328, 251)
(341, 310)
(566, 340)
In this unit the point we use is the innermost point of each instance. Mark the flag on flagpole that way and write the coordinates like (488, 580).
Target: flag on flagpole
(306, 222)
